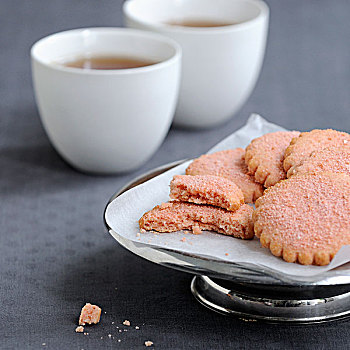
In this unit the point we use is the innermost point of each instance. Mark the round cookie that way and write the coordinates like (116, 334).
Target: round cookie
(303, 146)
(334, 159)
(231, 165)
(264, 156)
(306, 218)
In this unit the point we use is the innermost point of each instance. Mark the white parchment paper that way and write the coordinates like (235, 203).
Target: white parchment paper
(123, 213)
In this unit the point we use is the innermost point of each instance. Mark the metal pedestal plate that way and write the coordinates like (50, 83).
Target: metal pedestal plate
(248, 306)
(250, 292)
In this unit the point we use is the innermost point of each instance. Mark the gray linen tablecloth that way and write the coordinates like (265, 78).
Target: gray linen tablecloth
(55, 254)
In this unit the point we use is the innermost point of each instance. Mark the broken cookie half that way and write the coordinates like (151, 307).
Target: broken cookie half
(207, 189)
(177, 216)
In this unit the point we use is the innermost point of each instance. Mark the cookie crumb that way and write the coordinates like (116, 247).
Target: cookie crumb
(142, 230)
(119, 340)
(226, 254)
(89, 314)
(148, 343)
(109, 336)
(138, 234)
(183, 239)
(137, 327)
(79, 329)
(43, 344)
(126, 323)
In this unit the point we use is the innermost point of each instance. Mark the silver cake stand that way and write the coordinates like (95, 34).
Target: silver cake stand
(250, 291)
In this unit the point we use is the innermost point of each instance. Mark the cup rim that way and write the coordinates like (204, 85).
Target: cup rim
(117, 30)
(264, 13)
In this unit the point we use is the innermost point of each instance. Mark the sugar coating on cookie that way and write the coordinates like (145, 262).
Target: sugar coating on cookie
(206, 189)
(334, 159)
(177, 216)
(306, 218)
(264, 156)
(231, 165)
(303, 146)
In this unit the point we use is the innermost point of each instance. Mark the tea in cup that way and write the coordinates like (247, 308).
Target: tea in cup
(223, 44)
(106, 96)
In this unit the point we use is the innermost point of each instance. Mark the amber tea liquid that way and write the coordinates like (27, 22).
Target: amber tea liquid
(198, 23)
(107, 62)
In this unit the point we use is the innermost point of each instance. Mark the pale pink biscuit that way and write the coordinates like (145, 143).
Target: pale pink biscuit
(334, 159)
(306, 218)
(206, 189)
(177, 216)
(89, 314)
(229, 164)
(264, 156)
(303, 146)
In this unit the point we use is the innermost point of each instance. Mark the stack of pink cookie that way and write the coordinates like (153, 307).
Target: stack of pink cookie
(299, 182)
(202, 202)
(304, 215)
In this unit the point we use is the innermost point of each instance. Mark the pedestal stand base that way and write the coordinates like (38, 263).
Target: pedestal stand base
(244, 303)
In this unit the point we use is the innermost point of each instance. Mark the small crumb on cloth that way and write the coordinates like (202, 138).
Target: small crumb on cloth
(126, 323)
(79, 329)
(148, 343)
(89, 314)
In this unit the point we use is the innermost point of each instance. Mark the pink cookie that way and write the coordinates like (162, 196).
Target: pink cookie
(229, 164)
(206, 189)
(177, 216)
(303, 146)
(334, 159)
(264, 156)
(306, 218)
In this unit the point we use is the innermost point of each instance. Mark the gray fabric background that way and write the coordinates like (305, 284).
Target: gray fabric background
(55, 254)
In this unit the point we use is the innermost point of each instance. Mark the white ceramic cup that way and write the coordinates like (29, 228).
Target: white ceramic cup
(106, 121)
(220, 65)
